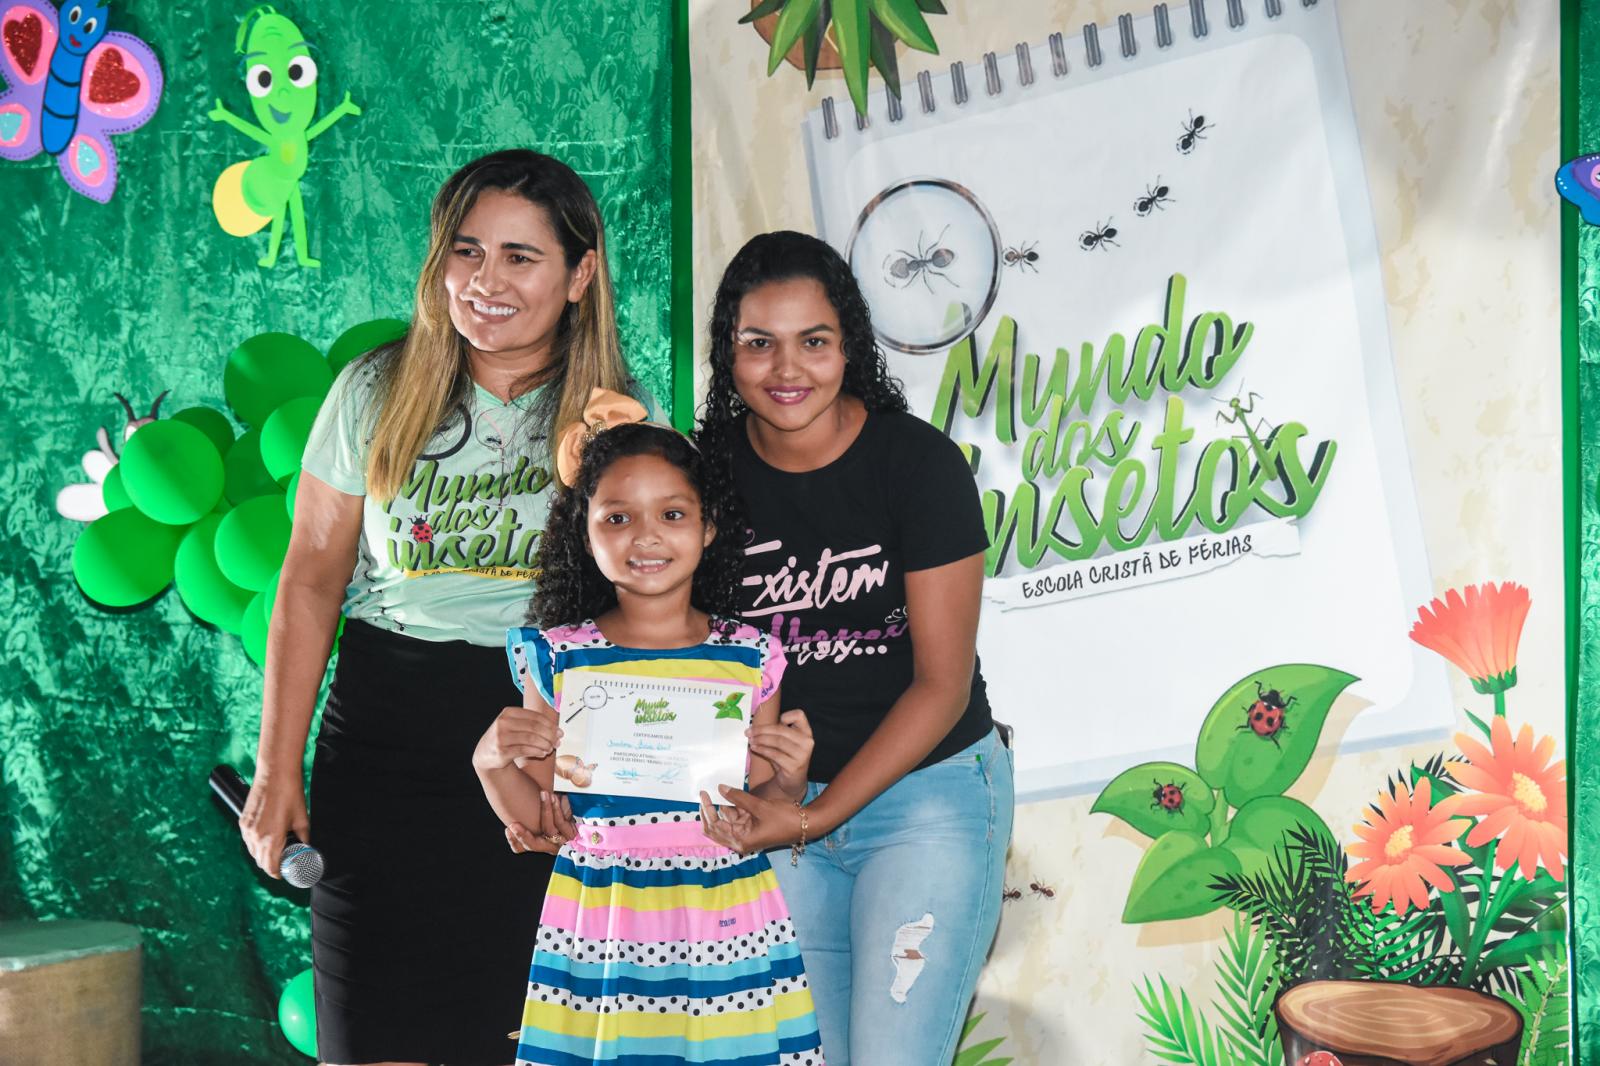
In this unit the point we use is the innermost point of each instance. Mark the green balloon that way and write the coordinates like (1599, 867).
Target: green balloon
(113, 492)
(297, 1014)
(359, 340)
(210, 421)
(283, 438)
(290, 491)
(124, 558)
(172, 472)
(269, 369)
(253, 629)
(201, 584)
(245, 476)
(251, 542)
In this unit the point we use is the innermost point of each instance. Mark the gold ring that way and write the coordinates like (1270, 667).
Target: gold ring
(552, 838)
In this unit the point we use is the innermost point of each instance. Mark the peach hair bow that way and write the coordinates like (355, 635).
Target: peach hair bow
(604, 410)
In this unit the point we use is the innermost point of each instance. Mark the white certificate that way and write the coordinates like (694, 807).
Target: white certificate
(652, 738)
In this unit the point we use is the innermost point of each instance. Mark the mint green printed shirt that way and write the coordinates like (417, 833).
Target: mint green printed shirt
(451, 557)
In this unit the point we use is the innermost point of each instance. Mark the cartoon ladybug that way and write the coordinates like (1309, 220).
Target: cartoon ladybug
(421, 531)
(1168, 797)
(1266, 716)
(1320, 1058)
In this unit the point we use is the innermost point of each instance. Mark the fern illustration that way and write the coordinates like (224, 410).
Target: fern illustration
(973, 1055)
(1541, 999)
(1247, 983)
(1179, 1033)
(1302, 903)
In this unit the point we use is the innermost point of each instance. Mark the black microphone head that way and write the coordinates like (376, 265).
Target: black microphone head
(300, 864)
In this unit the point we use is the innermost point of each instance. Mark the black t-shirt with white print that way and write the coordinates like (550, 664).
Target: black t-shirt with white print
(825, 573)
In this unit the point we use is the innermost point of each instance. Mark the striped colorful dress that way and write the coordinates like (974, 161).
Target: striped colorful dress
(655, 945)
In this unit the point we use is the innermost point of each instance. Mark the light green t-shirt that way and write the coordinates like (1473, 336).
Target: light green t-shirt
(451, 556)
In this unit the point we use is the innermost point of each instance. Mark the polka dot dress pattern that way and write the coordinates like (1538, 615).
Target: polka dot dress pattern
(655, 944)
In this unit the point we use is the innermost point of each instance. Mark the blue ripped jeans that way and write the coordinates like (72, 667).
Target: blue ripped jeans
(895, 910)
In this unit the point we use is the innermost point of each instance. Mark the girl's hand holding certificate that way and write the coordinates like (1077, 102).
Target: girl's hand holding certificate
(518, 734)
(786, 744)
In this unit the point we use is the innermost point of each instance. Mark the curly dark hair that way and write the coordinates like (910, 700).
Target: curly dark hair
(570, 588)
(782, 256)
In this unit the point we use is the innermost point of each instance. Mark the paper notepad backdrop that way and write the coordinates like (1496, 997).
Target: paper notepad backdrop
(1319, 171)
(1078, 211)
(110, 722)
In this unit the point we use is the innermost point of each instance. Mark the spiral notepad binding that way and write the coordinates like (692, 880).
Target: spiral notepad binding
(1056, 45)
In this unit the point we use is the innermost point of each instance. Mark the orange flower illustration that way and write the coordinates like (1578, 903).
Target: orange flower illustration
(1520, 795)
(1477, 629)
(1405, 841)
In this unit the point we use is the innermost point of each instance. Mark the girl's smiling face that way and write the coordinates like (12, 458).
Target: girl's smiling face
(788, 354)
(507, 280)
(646, 529)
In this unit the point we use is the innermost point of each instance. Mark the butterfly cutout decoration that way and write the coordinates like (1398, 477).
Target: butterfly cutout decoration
(1578, 181)
(73, 85)
(729, 708)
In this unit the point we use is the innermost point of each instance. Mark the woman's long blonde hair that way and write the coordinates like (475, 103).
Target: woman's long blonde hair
(425, 378)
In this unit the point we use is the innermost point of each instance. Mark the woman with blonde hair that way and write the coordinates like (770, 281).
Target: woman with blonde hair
(424, 489)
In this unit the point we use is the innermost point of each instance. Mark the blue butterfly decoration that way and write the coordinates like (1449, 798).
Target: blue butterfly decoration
(1578, 182)
(72, 85)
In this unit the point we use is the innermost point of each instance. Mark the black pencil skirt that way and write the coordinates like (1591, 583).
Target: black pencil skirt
(423, 927)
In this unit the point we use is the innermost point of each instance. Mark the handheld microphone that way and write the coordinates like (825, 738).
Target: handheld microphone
(300, 864)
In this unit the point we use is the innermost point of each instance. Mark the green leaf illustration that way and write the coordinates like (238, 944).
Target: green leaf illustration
(884, 59)
(1133, 796)
(850, 24)
(796, 16)
(1174, 879)
(761, 10)
(1260, 827)
(1246, 763)
(729, 707)
(904, 19)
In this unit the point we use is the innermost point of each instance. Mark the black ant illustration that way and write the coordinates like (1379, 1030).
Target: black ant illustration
(1192, 132)
(1007, 894)
(1041, 889)
(1098, 237)
(1023, 255)
(1154, 196)
(903, 267)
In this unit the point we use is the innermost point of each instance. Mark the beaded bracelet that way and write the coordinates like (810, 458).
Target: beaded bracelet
(797, 850)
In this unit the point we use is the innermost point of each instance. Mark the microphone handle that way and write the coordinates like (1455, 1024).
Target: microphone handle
(232, 790)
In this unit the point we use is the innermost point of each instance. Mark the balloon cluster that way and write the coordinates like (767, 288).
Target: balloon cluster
(190, 503)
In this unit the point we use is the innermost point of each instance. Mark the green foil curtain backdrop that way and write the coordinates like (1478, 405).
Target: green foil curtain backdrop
(110, 721)
(1582, 66)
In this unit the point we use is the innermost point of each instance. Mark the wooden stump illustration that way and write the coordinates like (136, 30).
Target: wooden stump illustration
(1378, 1023)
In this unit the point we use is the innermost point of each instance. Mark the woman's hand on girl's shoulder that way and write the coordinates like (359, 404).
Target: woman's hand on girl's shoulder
(517, 734)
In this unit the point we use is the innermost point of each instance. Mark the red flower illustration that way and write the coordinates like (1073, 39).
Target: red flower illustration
(1477, 629)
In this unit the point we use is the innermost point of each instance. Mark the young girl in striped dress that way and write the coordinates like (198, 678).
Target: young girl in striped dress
(655, 945)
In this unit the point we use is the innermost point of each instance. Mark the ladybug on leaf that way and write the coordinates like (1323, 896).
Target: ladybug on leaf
(1266, 717)
(1168, 797)
(421, 531)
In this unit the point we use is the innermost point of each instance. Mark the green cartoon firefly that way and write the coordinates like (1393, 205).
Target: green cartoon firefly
(729, 708)
(281, 78)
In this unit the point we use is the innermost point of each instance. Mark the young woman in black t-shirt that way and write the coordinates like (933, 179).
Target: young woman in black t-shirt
(866, 559)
